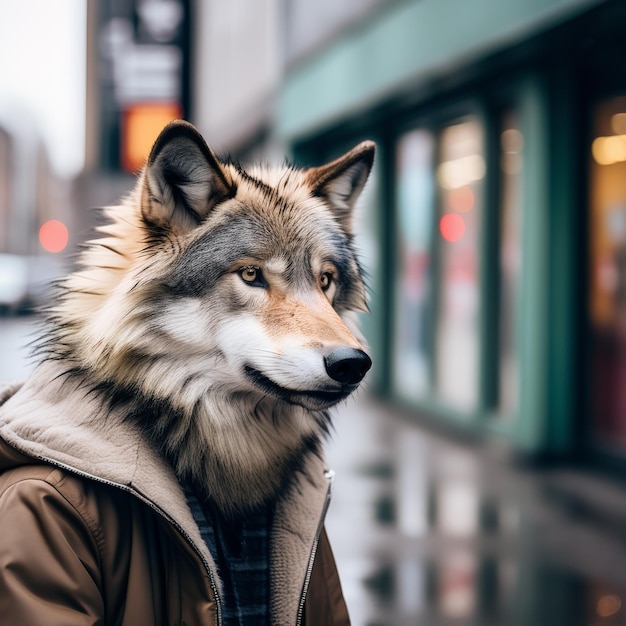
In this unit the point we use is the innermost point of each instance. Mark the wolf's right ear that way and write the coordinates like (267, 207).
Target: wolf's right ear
(183, 181)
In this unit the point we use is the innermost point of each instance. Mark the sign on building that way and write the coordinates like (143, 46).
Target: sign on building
(144, 50)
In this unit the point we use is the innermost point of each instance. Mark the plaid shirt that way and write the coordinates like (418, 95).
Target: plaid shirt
(240, 549)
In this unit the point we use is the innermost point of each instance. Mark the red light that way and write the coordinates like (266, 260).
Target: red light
(53, 236)
(452, 227)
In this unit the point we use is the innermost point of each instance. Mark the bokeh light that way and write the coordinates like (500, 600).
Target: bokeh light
(452, 227)
(53, 236)
(609, 150)
(608, 605)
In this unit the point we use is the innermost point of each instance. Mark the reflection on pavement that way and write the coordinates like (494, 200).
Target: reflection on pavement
(428, 532)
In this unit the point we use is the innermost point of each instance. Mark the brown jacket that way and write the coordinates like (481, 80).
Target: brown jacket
(95, 529)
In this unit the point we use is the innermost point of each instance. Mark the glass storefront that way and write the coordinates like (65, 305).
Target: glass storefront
(607, 289)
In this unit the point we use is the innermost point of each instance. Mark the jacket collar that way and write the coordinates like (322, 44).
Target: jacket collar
(52, 419)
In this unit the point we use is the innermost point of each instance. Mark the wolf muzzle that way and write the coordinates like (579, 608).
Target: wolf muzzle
(347, 366)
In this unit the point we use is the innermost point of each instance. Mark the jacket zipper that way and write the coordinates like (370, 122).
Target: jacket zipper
(154, 507)
(309, 570)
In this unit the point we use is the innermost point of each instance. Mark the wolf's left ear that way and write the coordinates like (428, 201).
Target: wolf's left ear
(183, 181)
(341, 181)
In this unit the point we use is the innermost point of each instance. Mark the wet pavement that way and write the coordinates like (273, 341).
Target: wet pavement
(433, 531)
(430, 531)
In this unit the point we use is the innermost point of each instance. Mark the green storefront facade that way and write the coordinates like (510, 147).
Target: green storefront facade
(492, 229)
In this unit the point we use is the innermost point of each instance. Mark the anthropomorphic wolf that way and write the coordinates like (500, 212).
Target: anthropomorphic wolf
(163, 464)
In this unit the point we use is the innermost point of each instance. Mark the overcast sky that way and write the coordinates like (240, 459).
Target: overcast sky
(42, 69)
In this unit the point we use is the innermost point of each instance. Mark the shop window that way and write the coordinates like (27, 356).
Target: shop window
(460, 173)
(607, 290)
(511, 143)
(412, 324)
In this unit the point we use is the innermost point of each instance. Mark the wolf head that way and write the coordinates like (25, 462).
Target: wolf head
(216, 309)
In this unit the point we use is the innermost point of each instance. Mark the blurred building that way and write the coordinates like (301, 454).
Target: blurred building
(494, 227)
(36, 207)
(30, 191)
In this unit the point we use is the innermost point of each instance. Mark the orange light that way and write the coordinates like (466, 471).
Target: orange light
(53, 236)
(141, 125)
(452, 227)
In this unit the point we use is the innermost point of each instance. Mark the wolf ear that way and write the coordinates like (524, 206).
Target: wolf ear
(341, 181)
(183, 181)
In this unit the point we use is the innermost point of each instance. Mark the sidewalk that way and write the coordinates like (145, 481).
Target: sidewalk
(431, 532)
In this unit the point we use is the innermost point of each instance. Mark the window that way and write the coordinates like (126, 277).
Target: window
(413, 326)
(460, 172)
(457, 273)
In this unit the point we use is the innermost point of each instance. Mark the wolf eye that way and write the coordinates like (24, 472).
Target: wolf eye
(252, 275)
(326, 280)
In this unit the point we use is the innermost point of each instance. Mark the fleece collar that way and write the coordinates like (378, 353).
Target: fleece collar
(52, 419)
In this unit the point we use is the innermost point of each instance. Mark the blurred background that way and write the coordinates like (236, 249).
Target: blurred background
(481, 477)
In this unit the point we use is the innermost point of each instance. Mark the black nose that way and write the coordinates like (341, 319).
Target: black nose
(347, 365)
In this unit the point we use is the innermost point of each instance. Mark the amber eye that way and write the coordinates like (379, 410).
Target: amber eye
(326, 280)
(250, 274)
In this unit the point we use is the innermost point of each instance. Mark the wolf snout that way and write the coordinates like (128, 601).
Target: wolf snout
(347, 365)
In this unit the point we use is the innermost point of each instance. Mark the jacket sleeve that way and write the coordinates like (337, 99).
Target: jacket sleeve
(324, 604)
(49, 574)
